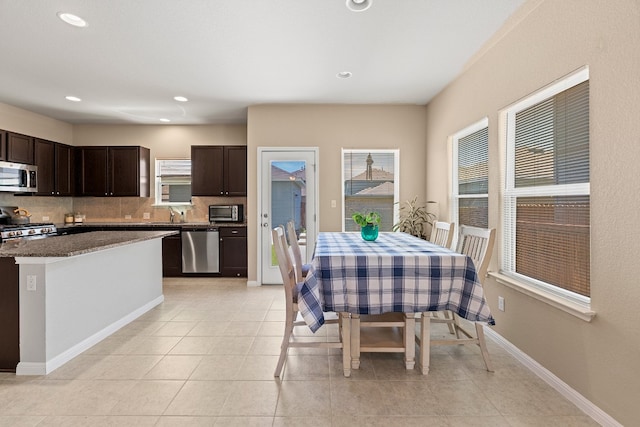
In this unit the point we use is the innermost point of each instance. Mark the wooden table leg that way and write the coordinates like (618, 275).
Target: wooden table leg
(346, 343)
(425, 344)
(355, 341)
(409, 340)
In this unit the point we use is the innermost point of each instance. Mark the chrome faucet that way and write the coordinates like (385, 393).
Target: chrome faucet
(172, 215)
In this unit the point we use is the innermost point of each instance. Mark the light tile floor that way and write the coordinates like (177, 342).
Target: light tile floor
(206, 357)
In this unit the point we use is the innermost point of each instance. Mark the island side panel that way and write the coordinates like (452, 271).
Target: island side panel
(83, 299)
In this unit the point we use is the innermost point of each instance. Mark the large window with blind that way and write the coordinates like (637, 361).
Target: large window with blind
(547, 190)
(370, 183)
(470, 177)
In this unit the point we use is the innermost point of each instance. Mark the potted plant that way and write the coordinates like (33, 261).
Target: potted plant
(369, 224)
(414, 219)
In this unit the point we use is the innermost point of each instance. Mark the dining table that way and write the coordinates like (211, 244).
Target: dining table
(397, 272)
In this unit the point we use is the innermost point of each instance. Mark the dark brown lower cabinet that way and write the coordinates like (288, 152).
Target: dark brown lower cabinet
(172, 256)
(9, 315)
(233, 251)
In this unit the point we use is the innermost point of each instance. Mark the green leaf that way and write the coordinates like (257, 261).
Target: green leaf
(363, 219)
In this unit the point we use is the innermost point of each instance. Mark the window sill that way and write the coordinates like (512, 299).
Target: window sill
(172, 204)
(581, 312)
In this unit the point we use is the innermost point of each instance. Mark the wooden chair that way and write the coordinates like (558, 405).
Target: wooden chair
(477, 244)
(291, 303)
(301, 269)
(442, 233)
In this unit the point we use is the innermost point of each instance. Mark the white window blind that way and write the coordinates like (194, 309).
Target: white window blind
(173, 181)
(546, 199)
(471, 176)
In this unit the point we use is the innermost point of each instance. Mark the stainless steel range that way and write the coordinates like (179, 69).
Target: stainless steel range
(26, 231)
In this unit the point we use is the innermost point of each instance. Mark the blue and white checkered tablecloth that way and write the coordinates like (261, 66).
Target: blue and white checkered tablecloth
(397, 272)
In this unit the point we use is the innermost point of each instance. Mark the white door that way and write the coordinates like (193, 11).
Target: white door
(287, 191)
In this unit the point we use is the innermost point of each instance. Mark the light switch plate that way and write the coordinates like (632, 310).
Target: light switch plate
(146, 215)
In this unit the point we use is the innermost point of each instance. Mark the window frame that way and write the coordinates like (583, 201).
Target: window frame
(455, 195)
(396, 179)
(158, 184)
(510, 192)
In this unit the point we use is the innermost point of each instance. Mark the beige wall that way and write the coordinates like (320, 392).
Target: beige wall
(552, 39)
(545, 42)
(17, 120)
(28, 123)
(163, 142)
(331, 128)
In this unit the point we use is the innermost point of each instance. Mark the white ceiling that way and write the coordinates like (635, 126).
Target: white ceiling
(224, 55)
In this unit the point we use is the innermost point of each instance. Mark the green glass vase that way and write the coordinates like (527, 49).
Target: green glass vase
(369, 232)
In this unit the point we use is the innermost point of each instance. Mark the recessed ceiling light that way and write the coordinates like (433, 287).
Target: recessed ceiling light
(344, 74)
(72, 19)
(358, 5)
(180, 98)
(165, 120)
(72, 98)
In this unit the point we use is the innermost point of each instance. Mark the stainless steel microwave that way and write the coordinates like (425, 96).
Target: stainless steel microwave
(18, 178)
(226, 213)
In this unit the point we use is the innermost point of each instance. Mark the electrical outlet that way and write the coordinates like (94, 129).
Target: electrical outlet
(45, 218)
(146, 215)
(31, 283)
(127, 217)
(501, 303)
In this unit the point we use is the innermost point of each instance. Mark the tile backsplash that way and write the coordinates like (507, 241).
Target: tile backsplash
(113, 209)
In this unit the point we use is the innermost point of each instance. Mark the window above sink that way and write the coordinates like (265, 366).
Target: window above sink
(173, 182)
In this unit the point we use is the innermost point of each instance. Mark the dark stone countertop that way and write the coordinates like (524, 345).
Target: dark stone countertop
(77, 244)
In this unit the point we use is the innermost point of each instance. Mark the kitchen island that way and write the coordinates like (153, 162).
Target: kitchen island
(76, 290)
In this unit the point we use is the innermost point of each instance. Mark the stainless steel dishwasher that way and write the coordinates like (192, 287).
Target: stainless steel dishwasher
(200, 251)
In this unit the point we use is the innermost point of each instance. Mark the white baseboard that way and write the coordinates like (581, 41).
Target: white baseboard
(39, 368)
(31, 368)
(252, 283)
(560, 386)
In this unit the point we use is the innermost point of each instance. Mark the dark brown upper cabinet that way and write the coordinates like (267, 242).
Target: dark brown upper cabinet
(45, 159)
(218, 170)
(65, 170)
(113, 171)
(3, 145)
(19, 148)
(235, 172)
(55, 168)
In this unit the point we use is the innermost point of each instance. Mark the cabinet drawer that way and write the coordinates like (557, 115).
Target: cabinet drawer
(233, 231)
